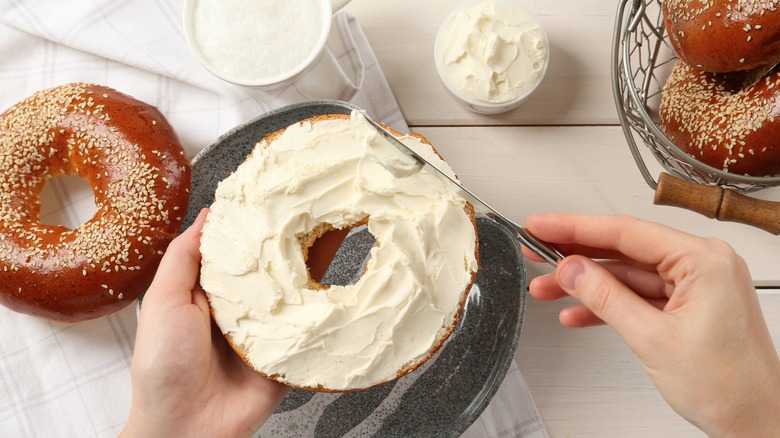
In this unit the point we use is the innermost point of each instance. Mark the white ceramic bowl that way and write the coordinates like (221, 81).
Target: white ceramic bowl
(483, 106)
(267, 83)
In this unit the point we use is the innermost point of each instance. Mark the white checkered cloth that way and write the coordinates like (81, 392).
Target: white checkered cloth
(66, 380)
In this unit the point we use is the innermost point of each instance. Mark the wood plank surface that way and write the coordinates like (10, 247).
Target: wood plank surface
(562, 151)
(587, 383)
(543, 169)
(576, 90)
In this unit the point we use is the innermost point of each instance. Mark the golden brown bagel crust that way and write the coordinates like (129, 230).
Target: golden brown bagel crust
(136, 167)
(716, 120)
(724, 35)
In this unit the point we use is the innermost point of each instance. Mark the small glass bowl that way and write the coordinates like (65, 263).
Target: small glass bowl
(482, 106)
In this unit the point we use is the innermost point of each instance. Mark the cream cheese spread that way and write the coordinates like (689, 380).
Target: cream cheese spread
(492, 51)
(336, 171)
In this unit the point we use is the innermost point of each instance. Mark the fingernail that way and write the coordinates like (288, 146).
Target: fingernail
(571, 274)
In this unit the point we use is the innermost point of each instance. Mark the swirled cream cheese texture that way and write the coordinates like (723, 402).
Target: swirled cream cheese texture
(336, 171)
(492, 51)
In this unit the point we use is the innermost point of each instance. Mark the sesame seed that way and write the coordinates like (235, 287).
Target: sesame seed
(691, 96)
(65, 130)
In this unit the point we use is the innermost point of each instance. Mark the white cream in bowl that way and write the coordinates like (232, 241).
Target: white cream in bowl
(257, 42)
(491, 53)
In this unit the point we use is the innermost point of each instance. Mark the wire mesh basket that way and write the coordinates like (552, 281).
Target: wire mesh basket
(642, 59)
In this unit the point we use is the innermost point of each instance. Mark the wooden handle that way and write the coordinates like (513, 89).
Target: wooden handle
(718, 203)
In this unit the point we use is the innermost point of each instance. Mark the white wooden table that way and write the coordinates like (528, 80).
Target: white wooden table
(562, 151)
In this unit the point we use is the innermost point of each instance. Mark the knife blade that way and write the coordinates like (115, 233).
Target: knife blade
(543, 249)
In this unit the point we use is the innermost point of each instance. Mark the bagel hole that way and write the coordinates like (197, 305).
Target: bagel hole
(339, 256)
(66, 200)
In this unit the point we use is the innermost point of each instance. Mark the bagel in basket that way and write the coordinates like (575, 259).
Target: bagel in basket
(719, 120)
(724, 35)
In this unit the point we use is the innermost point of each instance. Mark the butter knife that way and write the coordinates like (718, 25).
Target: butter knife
(541, 248)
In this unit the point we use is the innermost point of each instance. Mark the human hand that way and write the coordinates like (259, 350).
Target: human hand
(187, 381)
(685, 305)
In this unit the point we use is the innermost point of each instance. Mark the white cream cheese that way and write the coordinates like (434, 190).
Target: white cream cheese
(259, 40)
(338, 171)
(492, 51)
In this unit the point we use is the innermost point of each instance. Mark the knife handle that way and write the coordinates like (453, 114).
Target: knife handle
(541, 248)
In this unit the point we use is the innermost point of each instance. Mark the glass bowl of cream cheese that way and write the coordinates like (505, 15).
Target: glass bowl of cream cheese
(491, 54)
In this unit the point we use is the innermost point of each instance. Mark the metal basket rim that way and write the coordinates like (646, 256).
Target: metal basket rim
(620, 57)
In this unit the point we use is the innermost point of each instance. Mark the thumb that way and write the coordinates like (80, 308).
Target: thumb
(604, 295)
(177, 274)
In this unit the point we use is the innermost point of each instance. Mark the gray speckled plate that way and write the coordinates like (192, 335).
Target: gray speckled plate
(445, 395)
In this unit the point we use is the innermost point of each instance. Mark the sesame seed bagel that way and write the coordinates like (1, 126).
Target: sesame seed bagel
(334, 172)
(724, 35)
(136, 167)
(720, 122)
